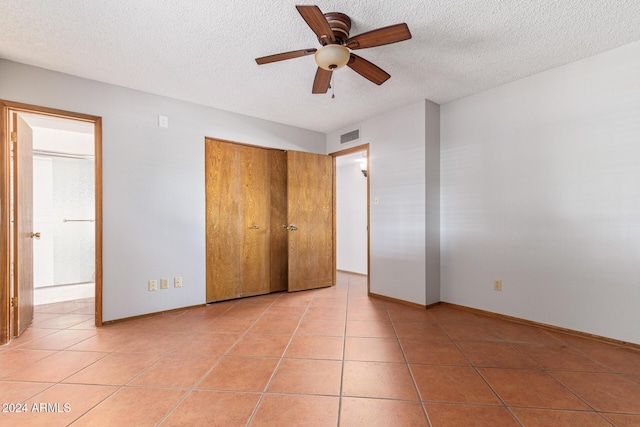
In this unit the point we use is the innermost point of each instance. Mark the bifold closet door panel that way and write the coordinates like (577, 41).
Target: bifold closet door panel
(310, 220)
(255, 199)
(279, 234)
(224, 220)
(269, 220)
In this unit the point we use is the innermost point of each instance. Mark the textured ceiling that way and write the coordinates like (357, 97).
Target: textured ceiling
(203, 51)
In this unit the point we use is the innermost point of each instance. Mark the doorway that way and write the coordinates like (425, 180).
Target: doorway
(63, 209)
(352, 211)
(50, 212)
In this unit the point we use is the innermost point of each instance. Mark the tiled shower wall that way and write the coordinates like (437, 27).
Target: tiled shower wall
(64, 255)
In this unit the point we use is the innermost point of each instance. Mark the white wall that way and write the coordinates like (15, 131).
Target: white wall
(153, 195)
(541, 188)
(397, 178)
(66, 141)
(351, 219)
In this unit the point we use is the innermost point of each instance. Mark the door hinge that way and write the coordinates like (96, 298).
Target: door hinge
(14, 136)
(14, 301)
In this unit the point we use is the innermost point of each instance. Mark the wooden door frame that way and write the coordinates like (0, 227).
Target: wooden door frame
(7, 108)
(335, 154)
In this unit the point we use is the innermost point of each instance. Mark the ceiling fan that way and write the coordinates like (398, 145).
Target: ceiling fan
(332, 30)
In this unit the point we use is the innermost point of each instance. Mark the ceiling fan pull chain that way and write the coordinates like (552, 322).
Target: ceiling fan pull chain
(333, 78)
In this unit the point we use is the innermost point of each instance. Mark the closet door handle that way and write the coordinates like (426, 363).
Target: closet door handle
(35, 235)
(292, 227)
(254, 227)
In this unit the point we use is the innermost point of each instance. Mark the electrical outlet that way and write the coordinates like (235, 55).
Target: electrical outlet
(497, 285)
(153, 285)
(164, 283)
(177, 282)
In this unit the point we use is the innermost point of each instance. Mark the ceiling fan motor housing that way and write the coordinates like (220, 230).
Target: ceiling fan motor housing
(340, 26)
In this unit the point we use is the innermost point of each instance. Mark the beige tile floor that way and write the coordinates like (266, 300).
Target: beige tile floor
(317, 358)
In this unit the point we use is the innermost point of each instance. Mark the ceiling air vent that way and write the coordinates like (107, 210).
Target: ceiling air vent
(354, 135)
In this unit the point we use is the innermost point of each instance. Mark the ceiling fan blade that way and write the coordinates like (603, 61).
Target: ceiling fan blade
(368, 70)
(285, 55)
(322, 81)
(317, 22)
(379, 37)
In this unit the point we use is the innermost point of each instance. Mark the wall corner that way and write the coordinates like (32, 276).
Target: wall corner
(432, 188)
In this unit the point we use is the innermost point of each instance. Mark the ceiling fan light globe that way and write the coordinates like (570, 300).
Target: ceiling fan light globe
(332, 56)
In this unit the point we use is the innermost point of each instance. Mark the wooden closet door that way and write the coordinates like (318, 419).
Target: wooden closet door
(223, 220)
(255, 198)
(279, 234)
(237, 220)
(310, 216)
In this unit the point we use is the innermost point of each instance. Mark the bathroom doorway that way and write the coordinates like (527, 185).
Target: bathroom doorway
(63, 209)
(50, 221)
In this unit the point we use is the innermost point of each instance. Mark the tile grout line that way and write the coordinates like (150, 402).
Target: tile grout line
(194, 386)
(60, 382)
(344, 349)
(126, 384)
(477, 371)
(540, 368)
(406, 361)
(57, 351)
(275, 370)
